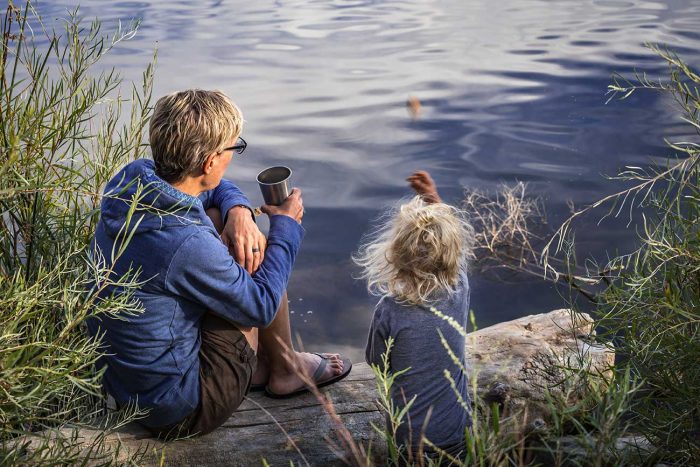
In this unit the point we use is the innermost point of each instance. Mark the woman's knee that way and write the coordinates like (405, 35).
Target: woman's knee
(216, 219)
(251, 335)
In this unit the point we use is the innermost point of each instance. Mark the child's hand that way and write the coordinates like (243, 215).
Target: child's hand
(424, 185)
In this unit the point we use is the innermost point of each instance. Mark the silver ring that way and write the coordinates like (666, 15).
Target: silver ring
(256, 250)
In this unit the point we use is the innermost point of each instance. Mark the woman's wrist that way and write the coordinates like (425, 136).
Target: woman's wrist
(240, 209)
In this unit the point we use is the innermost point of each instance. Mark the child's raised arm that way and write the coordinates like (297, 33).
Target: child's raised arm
(424, 185)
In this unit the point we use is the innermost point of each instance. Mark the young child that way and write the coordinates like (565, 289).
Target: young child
(416, 261)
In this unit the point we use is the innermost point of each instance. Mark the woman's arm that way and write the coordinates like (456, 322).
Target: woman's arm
(240, 234)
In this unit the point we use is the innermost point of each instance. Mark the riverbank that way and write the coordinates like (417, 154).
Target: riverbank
(505, 360)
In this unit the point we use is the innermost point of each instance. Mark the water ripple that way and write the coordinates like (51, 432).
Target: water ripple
(508, 90)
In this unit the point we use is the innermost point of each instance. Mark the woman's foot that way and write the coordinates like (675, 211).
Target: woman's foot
(288, 380)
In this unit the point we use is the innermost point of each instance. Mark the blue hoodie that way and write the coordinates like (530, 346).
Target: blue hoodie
(152, 357)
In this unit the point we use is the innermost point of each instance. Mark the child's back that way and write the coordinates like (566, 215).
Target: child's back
(418, 260)
(417, 346)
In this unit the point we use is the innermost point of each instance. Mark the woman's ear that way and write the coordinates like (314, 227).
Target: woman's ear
(209, 163)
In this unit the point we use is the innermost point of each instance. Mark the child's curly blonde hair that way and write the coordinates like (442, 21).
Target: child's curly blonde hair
(417, 253)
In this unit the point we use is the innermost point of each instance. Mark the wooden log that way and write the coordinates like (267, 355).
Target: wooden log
(581, 450)
(515, 361)
(502, 356)
(269, 429)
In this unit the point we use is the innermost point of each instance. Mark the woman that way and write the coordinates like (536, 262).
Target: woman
(211, 325)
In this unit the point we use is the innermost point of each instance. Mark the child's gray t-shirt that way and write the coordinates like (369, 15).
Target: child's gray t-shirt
(417, 345)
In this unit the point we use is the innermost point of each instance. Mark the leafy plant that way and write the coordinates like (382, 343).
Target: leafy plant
(651, 311)
(647, 301)
(395, 416)
(61, 141)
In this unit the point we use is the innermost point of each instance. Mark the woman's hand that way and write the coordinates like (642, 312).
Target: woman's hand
(293, 206)
(244, 240)
(424, 185)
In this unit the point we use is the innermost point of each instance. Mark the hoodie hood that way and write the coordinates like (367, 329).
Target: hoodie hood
(138, 197)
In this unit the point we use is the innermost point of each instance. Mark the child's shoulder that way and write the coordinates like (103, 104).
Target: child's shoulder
(391, 305)
(399, 315)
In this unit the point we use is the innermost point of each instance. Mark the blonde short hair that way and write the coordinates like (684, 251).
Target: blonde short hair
(417, 253)
(188, 126)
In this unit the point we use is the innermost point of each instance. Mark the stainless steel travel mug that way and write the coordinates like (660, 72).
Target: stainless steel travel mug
(273, 184)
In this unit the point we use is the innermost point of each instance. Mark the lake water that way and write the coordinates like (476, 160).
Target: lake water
(511, 90)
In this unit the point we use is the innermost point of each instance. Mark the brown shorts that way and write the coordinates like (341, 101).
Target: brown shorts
(226, 367)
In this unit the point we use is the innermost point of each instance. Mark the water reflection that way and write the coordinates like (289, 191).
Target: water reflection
(509, 91)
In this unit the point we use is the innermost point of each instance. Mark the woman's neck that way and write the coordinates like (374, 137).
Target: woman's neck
(190, 185)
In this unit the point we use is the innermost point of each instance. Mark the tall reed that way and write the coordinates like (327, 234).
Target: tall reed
(64, 134)
(647, 301)
(652, 308)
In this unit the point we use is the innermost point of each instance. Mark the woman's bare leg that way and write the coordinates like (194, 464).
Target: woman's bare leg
(216, 219)
(278, 362)
(275, 342)
(251, 334)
